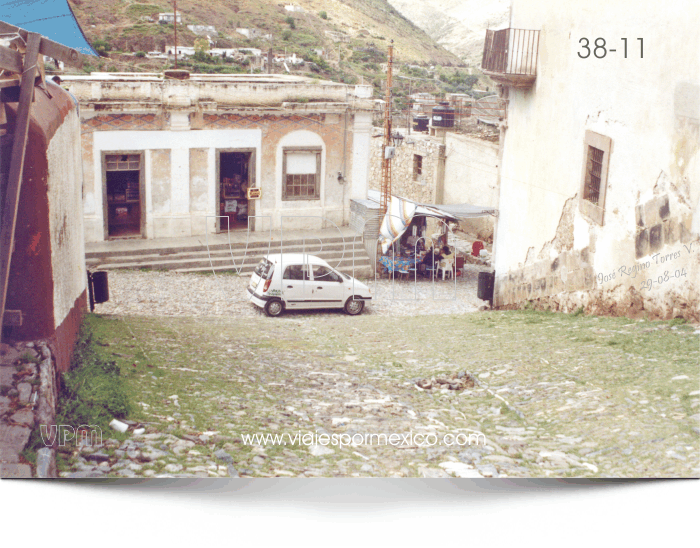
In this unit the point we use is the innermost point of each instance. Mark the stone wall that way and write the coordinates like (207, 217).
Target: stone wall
(426, 187)
(28, 395)
(660, 283)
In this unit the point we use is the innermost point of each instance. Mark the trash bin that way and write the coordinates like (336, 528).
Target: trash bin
(100, 286)
(485, 288)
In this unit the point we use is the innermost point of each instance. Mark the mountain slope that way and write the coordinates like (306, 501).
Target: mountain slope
(457, 25)
(122, 25)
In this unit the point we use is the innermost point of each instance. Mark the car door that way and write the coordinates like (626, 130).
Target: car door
(296, 286)
(327, 287)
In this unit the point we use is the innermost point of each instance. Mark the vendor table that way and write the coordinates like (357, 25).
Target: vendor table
(402, 265)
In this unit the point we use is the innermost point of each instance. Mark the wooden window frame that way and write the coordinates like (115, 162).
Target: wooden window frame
(295, 150)
(595, 212)
(142, 188)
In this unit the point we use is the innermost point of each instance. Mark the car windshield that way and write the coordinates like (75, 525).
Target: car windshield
(264, 269)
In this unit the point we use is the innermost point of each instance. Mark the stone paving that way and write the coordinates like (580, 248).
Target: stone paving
(553, 395)
(176, 294)
(19, 403)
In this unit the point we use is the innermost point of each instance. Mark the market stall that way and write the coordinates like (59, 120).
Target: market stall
(414, 237)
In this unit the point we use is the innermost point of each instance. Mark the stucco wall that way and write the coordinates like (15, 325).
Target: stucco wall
(471, 177)
(251, 90)
(65, 222)
(180, 173)
(649, 108)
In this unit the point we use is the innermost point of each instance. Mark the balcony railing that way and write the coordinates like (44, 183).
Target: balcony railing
(510, 56)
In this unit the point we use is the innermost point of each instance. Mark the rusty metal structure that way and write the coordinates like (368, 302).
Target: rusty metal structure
(22, 70)
(386, 162)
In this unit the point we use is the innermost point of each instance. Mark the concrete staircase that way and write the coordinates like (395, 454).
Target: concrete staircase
(179, 256)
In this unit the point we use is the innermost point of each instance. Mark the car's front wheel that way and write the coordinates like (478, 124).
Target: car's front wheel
(274, 307)
(354, 306)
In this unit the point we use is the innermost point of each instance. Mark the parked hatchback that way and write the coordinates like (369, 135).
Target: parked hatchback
(292, 281)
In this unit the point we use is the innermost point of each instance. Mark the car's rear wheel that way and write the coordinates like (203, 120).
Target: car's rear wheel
(354, 306)
(274, 307)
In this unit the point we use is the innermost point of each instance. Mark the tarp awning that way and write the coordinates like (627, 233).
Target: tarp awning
(401, 211)
(51, 18)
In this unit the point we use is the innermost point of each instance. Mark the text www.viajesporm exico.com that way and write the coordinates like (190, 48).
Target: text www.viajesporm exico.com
(346, 440)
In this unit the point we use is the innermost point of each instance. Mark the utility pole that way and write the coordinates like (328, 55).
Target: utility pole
(410, 105)
(175, 25)
(386, 162)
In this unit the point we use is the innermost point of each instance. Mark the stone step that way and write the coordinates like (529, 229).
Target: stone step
(247, 265)
(311, 243)
(359, 269)
(236, 253)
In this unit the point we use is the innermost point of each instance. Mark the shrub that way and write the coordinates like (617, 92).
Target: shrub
(140, 54)
(290, 21)
(323, 15)
(101, 47)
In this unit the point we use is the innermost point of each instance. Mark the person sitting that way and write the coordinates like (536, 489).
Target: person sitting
(446, 260)
(429, 259)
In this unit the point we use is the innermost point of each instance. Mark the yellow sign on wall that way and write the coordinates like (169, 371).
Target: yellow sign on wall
(254, 193)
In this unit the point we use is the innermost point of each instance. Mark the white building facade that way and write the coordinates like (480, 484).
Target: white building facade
(171, 158)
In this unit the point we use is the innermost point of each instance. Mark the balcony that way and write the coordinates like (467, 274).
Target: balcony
(510, 56)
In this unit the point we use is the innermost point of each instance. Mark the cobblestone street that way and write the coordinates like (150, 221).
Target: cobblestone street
(485, 394)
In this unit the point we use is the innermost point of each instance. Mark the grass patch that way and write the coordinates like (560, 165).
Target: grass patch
(94, 390)
(30, 357)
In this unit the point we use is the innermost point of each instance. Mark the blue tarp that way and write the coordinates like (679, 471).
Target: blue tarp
(51, 18)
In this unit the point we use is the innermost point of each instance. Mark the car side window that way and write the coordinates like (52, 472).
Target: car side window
(325, 274)
(296, 272)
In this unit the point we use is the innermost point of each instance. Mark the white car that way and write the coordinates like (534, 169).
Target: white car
(300, 281)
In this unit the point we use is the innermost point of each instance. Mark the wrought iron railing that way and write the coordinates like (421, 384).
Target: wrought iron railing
(511, 51)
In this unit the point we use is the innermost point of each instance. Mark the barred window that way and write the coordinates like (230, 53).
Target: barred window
(301, 174)
(594, 168)
(594, 180)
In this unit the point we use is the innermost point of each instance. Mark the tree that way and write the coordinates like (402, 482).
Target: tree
(201, 49)
(201, 45)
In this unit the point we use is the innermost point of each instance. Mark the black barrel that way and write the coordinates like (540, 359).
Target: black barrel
(420, 122)
(100, 286)
(443, 115)
(485, 288)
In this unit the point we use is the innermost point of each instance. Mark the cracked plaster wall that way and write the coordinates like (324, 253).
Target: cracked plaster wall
(546, 250)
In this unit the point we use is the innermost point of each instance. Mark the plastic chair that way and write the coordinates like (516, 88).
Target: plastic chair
(446, 267)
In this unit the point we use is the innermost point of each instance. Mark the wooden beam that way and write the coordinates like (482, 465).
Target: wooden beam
(14, 179)
(9, 83)
(48, 47)
(11, 94)
(12, 317)
(10, 60)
